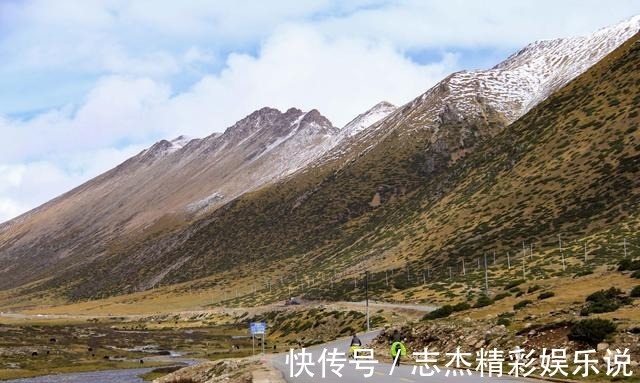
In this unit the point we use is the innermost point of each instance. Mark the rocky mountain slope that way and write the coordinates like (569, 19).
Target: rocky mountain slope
(164, 185)
(367, 201)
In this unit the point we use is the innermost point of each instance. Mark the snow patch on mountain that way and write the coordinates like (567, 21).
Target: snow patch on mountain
(366, 119)
(179, 142)
(204, 203)
(524, 79)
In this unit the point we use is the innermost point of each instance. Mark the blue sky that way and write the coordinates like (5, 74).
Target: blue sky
(86, 84)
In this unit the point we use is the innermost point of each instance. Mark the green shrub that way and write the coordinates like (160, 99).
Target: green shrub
(519, 294)
(604, 301)
(636, 274)
(483, 301)
(592, 331)
(600, 295)
(513, 284)
(461, 306)
(503, 321)
(635, 292)
(629, 265)
(533, 289)
(440, 312)
(583, 273)
(545, 295)
(501, 296)
(522, 304)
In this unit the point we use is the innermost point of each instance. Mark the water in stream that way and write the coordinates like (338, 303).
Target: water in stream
(131, 375)
(108, 376)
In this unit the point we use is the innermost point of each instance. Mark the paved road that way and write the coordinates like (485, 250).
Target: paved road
(402, 373)
(425, 308)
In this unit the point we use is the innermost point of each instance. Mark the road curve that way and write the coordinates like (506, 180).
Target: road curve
(402, 373)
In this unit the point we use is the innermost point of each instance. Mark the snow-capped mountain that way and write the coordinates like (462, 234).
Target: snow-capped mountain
(179, 183)
(529, 76)
(503, 93)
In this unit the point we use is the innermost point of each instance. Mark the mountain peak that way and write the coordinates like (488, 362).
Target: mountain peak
(293, 110)
(383, 105)
(315, 117)
(368, 118)
(517, 84)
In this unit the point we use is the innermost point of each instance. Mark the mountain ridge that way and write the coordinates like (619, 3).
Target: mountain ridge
(347, 188)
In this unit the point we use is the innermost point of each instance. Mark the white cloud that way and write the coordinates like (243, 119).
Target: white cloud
(417, 24)
(300, 67)
(24, 186)
(295, 67)
(9, 209)
(116, 112)
(339, 57)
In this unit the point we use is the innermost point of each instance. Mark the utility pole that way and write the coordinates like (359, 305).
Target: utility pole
(625, 246)
(450, 272)
(386, 278)
(486, 275)
(494, 257)
(366, 296)
(524, 271)
(531, 250)
(429, 272)
(524, 250)
(464, 270)
(508, 261)
(585, 251)
(564, 267)
(424, 278)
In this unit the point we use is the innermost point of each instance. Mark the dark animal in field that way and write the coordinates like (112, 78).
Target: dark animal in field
(35, 353)
(89, 349)
(141, 361)
(53, 340)
(105, 357)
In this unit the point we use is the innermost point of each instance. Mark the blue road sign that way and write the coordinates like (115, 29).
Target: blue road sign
(258, 328)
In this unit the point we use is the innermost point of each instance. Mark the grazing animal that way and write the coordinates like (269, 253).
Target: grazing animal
(53, 340)
(90, 349)
(141, 361)
(35, 353)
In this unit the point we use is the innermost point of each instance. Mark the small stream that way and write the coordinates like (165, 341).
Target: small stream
(130, 375)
